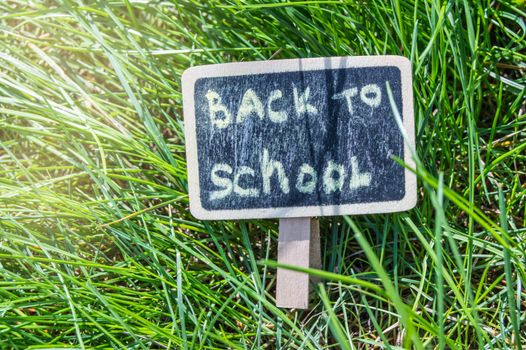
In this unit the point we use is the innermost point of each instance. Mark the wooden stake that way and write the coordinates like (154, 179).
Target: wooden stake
(299, 245)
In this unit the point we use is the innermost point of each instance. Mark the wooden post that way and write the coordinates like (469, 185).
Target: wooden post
(299, 245)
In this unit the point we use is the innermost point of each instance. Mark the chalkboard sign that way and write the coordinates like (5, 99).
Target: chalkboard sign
(299, 138)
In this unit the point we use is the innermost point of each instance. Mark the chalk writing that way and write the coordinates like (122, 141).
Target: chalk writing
(250, 104)
(301, 101)
(221, 182)
(309, 185)
(268, 168)
(334, 178)
(275, 116)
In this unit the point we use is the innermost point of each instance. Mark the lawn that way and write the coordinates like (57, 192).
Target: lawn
(99, 250)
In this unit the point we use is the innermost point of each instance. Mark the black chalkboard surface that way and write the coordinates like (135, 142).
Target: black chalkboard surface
(299, 138)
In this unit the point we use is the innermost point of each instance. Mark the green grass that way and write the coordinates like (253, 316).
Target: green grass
(98, 248)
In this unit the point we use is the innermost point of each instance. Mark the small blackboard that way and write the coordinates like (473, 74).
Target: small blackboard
(299, 138)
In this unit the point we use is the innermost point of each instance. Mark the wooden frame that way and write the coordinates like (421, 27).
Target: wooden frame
(191, 75)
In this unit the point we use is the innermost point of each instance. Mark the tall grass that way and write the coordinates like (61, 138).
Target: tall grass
(98, 249)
